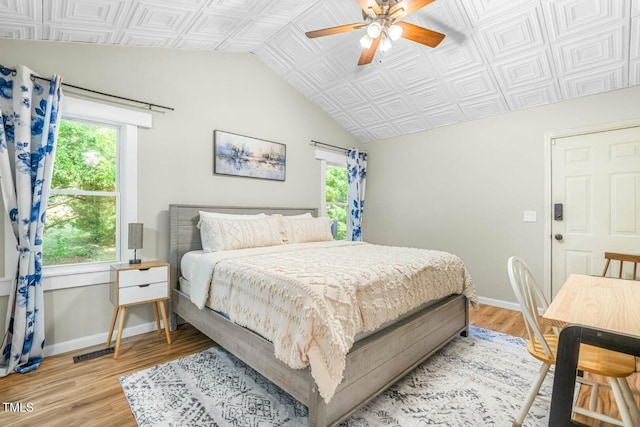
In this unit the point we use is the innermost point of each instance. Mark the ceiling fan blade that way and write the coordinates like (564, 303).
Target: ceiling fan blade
(367, 54)
(420, 35)
(406, 7)
(335, 30)
(369, 4)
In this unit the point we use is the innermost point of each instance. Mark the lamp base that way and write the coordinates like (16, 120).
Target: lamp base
(135, 259)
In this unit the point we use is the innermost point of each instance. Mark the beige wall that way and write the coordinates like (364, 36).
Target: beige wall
(463, 188)
(209, 90)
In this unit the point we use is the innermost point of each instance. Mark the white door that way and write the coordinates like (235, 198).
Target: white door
(596, 179)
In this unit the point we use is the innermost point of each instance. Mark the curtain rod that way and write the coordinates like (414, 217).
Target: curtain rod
(334, 147)
(149, 104)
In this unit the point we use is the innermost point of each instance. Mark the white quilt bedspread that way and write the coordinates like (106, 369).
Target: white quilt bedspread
(311, 299)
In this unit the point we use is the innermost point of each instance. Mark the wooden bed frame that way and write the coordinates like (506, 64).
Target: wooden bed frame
(373, 364)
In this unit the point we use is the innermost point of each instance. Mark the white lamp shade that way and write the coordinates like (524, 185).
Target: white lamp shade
(395, 31)
(385, 44)
(366, 41)
(135, 235)
(374, 29)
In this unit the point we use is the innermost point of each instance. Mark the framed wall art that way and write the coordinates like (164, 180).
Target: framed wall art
(239, 155)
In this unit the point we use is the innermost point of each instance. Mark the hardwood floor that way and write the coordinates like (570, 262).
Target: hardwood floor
(88, 393)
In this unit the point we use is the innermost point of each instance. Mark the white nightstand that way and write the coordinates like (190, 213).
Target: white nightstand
(131, 284)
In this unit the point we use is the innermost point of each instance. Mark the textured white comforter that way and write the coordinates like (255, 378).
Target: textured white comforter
(311, 299)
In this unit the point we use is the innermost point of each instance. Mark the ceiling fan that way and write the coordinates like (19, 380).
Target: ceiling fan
(383, 25)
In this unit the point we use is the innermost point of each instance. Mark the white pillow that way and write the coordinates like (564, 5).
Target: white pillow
(218, 215)
(304, 215)
(301, 230)
(219, 234)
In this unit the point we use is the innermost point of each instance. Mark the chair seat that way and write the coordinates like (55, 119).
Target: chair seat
(592, 359)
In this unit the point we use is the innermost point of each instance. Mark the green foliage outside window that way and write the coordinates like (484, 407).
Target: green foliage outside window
(81, 216)
(336, 198)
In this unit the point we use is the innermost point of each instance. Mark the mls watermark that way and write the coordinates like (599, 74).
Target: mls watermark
(24, 407)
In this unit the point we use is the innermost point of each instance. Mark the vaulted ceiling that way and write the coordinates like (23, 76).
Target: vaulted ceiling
(498, 55)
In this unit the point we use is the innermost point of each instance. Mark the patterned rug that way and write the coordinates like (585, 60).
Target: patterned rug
(480, 380)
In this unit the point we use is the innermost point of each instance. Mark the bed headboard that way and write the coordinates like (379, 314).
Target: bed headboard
(184, 235)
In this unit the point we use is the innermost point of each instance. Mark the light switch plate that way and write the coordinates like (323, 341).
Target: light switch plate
(529, 216)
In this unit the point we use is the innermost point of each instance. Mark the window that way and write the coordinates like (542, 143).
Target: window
(336, 197)
(333, 189)
(81, 217)
(93, 195)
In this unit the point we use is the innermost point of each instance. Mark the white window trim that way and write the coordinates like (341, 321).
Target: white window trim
(62, 277)
(327, 158)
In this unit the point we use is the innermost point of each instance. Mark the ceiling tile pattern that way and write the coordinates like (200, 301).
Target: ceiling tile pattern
(498, 56)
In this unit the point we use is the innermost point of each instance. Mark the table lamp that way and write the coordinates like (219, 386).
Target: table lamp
(135, 240)
(334, 228)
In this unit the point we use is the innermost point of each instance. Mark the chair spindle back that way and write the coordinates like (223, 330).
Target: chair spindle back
(532, 301)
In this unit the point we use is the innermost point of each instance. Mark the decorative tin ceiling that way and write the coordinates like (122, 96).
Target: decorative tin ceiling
(498, 56)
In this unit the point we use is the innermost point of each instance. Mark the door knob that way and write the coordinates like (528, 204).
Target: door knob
(558, 236)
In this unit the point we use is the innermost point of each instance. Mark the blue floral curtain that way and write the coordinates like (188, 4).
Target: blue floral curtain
(357, 175)
(28, 133)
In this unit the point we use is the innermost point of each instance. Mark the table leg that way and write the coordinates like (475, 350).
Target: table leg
(120, 327)
(164, 319)
(155, 312)
(113, 324)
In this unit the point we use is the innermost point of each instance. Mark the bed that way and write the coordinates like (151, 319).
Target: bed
(373, 363)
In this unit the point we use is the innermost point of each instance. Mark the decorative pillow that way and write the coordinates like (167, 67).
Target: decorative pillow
(301, 230)
(218, 234)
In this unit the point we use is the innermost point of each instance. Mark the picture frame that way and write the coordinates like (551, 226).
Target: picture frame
(249, 157)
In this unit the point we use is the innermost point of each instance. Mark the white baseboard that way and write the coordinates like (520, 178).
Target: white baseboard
(78, 343)
(499, 303)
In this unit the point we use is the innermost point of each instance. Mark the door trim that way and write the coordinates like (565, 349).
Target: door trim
(548, 203)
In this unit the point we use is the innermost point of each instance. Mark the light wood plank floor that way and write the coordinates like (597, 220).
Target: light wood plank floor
(88, 393)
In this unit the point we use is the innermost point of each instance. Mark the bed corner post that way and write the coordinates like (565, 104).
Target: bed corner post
(317, 409)
(173, 318)
(173, 263)
(465, 332)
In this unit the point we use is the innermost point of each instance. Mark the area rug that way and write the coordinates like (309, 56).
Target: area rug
(479, 380)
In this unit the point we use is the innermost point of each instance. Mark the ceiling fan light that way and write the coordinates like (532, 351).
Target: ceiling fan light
(385, 44)
(395, 31)
(374, 29)
(366, 41)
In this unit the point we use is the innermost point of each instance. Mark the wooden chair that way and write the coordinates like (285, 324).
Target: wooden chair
(543, 344)
(635, 259)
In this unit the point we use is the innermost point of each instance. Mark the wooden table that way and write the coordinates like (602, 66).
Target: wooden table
(601, 302)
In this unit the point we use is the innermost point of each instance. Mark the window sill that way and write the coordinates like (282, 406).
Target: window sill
(67, 277)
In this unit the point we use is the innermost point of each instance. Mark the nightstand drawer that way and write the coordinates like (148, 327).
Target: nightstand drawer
(135, 277)
(136, 294)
